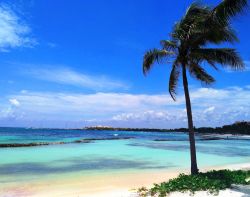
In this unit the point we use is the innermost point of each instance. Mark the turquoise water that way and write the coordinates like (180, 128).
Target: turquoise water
(140, 153)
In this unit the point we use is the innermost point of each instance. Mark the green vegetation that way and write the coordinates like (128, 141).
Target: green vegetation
(211, 181)
(236, 128)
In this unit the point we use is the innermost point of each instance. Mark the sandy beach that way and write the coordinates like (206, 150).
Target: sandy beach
(104, 185)
(110, 185)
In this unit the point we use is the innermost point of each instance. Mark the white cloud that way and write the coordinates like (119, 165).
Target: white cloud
(152, 117)
(14, 102)
(209, 110)
(14, 32)
(247, 86)
(23, 91)
(67, 76)
(97, 104)
(139, 116)
(9, 112)
(211, 107)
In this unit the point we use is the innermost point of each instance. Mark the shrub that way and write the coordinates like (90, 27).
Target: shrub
(211, 181)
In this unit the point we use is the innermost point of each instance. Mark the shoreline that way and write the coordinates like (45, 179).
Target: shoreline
(110, 185)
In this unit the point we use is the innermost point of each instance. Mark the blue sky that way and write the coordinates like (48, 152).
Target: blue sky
(79, 63)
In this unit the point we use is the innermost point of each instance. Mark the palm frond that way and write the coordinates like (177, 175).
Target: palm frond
(211, 63)
(212, 33)
(173, 80)
(195, 15)
(196, 11)
(224, 56)
(152, 56)
(169, 45)
(200, 74)
(218, 34)
(203, 25)
(229, 8)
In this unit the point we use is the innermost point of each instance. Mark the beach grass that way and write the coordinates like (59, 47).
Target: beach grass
(211, 181)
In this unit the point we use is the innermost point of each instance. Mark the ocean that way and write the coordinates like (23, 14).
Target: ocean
(118, 152)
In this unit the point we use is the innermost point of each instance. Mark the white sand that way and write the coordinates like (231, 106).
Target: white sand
(224, 193)
(110, 185)
(126, 193)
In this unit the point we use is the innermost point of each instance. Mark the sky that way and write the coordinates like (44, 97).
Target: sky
(78, 63)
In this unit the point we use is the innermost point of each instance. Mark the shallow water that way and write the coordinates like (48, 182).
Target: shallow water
(141, 153)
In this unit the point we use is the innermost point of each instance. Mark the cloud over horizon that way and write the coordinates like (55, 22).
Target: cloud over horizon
(210, 107)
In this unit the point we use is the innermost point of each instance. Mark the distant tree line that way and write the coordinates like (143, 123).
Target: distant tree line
(242, 127)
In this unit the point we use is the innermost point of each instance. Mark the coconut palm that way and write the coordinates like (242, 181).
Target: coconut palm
(188, 50)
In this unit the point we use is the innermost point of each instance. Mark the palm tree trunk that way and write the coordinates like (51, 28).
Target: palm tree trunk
(194, 168)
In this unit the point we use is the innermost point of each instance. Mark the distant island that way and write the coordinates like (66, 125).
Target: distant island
(240, 127)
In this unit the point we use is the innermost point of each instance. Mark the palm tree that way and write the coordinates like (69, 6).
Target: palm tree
(187, 50)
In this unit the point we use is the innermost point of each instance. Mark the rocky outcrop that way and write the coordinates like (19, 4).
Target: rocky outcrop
(87, 140)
